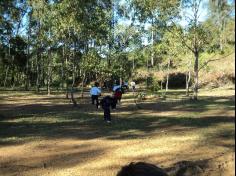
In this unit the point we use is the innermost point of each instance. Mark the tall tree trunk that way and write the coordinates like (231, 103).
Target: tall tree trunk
(82, 86)
(27, 74)
(196, 55)
(133, 64)
(188, 79)
(27, 81)
(63, 74)
(73, 78)
(152, 55)
(49, 74)
(13, 78)
(8, 67)
(37, 71)
(72, 94)
(62, 77)
(72, 98)
(66, 77)
(6, 75)
(168, 74)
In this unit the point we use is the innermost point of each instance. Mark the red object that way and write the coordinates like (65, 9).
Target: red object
(118, 94)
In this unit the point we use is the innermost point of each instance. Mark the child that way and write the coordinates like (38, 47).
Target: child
(95, 93)
(106, 103)
(133, 85)
(117, 89)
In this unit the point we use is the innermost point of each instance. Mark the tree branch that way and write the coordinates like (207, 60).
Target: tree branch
(212, 60)
(178, 36)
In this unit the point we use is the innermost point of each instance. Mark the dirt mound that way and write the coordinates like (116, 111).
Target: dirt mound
(187, 168)
(218, 166)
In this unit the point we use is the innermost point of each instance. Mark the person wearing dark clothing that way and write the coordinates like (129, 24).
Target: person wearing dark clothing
(141, 169)
(117, 95)
(106, 103)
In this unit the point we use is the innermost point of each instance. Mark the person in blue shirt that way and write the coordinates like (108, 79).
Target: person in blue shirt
(95, 92)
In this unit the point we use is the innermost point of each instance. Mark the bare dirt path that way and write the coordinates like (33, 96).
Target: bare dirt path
(44, 135)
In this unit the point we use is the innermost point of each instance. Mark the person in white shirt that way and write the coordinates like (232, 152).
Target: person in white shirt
(95, 92)
(133, 85)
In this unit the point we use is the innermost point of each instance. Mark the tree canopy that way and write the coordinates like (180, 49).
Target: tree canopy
(66, 43)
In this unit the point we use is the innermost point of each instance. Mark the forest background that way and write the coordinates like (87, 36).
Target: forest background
(68, 44)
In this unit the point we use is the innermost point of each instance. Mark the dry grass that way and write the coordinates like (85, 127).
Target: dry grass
(44, 135)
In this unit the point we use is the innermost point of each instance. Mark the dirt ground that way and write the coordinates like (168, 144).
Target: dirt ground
(45, 136)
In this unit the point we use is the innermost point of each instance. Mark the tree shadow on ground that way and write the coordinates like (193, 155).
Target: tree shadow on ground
(84, 122)
(22, 123)
(84, 126)
(64, 157)
(203, 104)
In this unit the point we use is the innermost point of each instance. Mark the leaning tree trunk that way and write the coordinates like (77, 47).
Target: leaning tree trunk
(196, 54)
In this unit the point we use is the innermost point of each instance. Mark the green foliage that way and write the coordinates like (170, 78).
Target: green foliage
(152, 83)
(70, 41)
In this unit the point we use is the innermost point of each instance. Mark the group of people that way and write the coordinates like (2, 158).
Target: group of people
(108, 102)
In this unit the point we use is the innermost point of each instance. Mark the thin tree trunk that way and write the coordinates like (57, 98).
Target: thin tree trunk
(63, 77)
(49, 75)
(168, 73)
(82, 86)
(188, 79)
(9, 55)
(187, 85)
(133, 64)
(196, 54)
(6, 75)
(27, 74)
(72, 96)
(37, 70)
(152, 55)
(73, 77)
(13, 78)
(27, 81)
(66, 78)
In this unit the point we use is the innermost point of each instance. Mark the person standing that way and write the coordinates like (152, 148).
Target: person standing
(133, 85)
(117, 90)
(95, 92)
(106, 103)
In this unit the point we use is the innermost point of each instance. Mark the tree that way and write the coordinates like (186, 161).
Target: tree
(220, 11)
